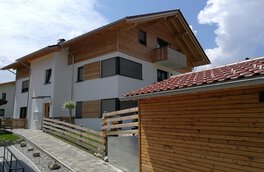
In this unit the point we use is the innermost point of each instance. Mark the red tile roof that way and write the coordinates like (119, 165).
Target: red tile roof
(244, 69)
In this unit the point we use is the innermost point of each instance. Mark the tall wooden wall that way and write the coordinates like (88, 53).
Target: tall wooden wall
(213, 131)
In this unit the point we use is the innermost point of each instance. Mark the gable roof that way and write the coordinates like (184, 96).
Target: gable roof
(132, 20)
(224, 74)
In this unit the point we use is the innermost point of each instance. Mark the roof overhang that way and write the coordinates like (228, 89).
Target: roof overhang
(202, 88)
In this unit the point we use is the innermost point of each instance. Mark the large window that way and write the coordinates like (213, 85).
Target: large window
(23, 112)
(78, 110)
(80, 74)
(2, 112)
(121, 66)
(142, 37)
(25, 85)
(162, 75)
(48, 76)
(110, 105)
(3, 96)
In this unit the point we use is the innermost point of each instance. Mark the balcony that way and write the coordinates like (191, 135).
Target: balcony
(169, 58)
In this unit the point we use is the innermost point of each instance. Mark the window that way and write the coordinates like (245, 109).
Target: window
(3, 96)
(162, 75)
(23, 112)
(25, 85)
(109, 105)
(80, 74)
(142, 37)
(48, 76)
(109, 67)
(78, 110)
(161, 43)
(2, 112)
(114, 104)
(130, 69)
(121, 66)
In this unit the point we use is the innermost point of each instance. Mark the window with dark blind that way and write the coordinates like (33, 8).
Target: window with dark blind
(48, 76)
(142, 37)
(25, 86)
(3, 96)
(78, 110)
(162, 75)
(130, 69)
(109, 105)
(23, 112)
(109, 67)
(80, 74)
(2, 112)
(121, 66)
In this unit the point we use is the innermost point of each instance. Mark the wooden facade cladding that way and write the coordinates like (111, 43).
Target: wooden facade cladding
(91, 71)
(125, 39)
(22, 72)
(90, 109)
(128, 43)
(210, 131)
(93, 46)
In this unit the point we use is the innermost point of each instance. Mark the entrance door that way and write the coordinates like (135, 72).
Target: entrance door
(46, 110)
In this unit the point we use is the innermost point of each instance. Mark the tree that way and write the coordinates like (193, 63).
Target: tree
(70, 105)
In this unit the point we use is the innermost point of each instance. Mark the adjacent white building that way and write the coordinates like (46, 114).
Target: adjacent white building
(7, 93)
(97, 68)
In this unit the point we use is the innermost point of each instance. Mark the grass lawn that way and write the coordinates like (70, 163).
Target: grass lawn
(8, 137)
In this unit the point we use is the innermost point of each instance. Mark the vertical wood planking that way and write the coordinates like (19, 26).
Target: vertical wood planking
(217, 130)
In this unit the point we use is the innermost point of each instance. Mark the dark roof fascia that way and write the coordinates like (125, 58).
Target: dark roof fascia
(196, 40)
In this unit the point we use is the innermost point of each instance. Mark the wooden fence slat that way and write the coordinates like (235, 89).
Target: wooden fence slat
(122, 118)
(133, 124)
(131, 110)
(121, 132)
(74, 126)
(99, 139)
(87, 138)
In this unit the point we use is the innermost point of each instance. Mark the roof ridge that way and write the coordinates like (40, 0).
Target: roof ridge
(152, 13)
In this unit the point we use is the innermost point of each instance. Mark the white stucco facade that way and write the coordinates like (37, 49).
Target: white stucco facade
(21, 99)
(112, 86)
(63, 86)
(55, 92)
(9, 90)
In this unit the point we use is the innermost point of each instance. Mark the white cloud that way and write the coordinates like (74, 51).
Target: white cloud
(240, 28)
(194, 31)
(28, 25)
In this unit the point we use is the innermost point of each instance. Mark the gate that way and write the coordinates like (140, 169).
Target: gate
(120, 132)
(10, 163)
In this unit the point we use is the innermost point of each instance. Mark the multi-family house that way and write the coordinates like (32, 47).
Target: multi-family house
(98, 67)
(7, 94)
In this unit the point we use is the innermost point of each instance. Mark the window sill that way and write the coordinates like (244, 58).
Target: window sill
(47, 83)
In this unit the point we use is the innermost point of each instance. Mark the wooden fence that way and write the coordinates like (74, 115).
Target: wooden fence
(87, 138)
(120, 123)
(13, 123)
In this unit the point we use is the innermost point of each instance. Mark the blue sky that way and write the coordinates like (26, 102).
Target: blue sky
(228, 30)
(116, 9)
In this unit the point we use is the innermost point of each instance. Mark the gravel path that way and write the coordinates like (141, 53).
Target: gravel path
(41, 162)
